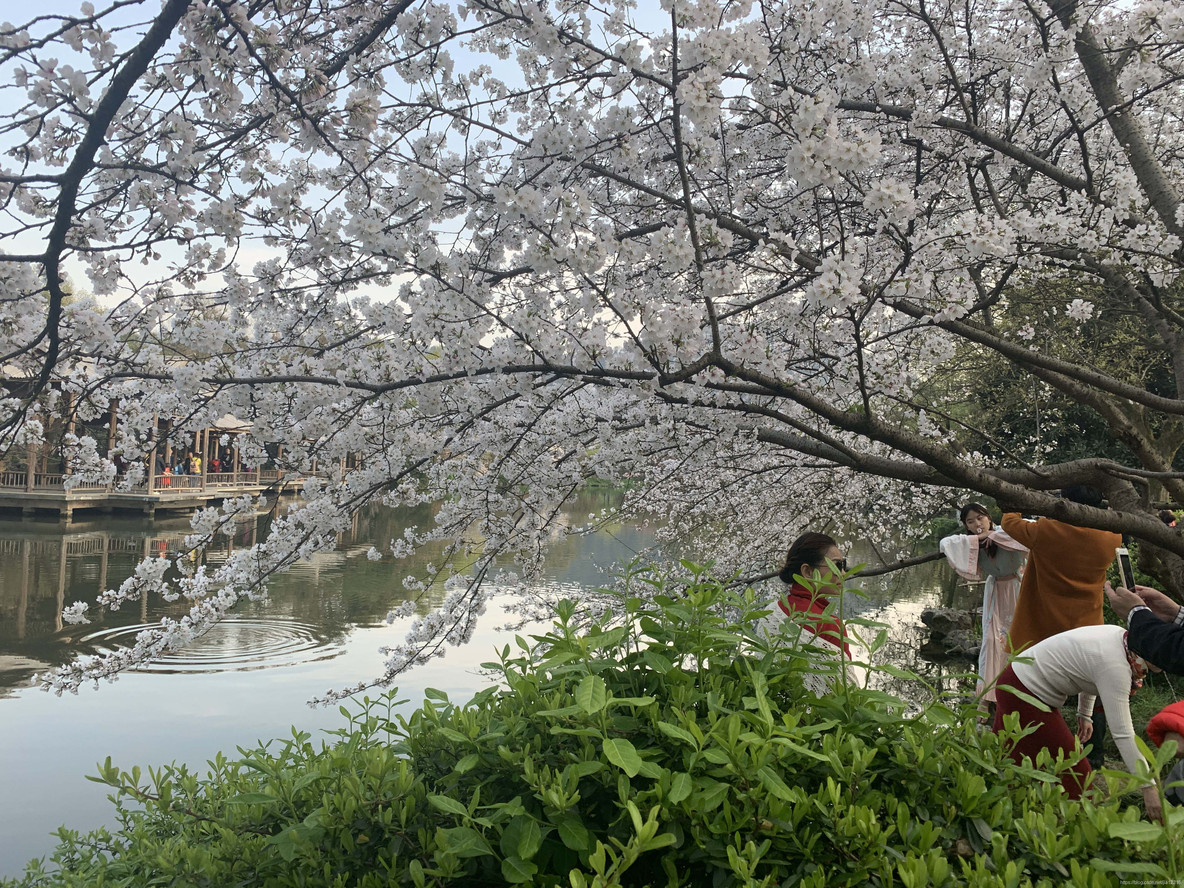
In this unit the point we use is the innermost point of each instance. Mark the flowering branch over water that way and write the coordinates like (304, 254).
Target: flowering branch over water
(737, 260)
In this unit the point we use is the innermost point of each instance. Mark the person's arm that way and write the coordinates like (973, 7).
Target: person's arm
(961, 551)
(1004, 540)
(1020, 530)
(1114, 689)
(1157, 642)
(1162, 606)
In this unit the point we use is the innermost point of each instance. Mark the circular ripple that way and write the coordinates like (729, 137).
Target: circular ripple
(231, 645)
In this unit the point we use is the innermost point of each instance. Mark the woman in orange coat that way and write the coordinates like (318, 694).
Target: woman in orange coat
(1062, 585)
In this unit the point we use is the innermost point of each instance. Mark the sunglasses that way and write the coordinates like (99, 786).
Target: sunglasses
(840, 564)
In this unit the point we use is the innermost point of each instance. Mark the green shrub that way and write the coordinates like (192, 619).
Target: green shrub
(674, 747)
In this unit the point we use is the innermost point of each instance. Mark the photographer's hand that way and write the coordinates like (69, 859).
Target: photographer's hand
(1122, 600)
(1162, 606)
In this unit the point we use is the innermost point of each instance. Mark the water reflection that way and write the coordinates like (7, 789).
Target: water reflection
(234, 644)
(310, 610)
(250, 678)
(897, 600)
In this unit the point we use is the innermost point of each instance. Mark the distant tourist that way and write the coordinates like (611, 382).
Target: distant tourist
(988, 553)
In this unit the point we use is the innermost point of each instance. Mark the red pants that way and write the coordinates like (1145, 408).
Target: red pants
(1051, 732)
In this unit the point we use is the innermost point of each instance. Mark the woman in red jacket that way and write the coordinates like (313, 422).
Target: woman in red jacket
(808, 559)
(803, 616)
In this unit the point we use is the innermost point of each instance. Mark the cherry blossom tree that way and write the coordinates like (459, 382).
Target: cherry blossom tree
(493, 249)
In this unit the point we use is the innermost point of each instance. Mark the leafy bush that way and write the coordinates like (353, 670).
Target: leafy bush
(675, 747)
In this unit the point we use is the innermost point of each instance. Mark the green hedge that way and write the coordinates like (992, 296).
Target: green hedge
(673, 747)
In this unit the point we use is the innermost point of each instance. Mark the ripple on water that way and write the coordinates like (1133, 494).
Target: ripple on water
(231, 645)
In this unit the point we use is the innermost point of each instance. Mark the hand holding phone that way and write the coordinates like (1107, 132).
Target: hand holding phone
(1124, 567)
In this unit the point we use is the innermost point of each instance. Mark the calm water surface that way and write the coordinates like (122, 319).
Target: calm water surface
(249, 678)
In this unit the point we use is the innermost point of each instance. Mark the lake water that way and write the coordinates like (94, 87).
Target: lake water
(250, 678)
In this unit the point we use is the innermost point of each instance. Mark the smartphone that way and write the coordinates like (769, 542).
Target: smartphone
(1124, 567)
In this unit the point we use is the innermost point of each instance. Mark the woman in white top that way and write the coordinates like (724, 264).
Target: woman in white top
(1090, 661)
(985, 552)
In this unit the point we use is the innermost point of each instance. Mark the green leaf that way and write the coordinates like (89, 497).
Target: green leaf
(656, 662)
(454, 736)
(1138, 831)
(467, 763)
(1125, 866)
(652, 770)
(253, 798)
(562, 711)
(623, 754)
(983, 828)
(577, 732)
(680, 787)
(605, 639)
(759, 685)
(433, 694)
(448, 805)
(573, 833)
(306, 781)
(515, 870)
(583, 769)
(798, 748)
(662, 840)
(592, 694)
(772, 781)
(530, 839)
(1027, 698)
(463, 841)
(285, 843)
(631, 701)
(677, 733)
(712, 792)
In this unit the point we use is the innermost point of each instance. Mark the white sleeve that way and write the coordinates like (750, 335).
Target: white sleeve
(1115, 691)
(961, 550)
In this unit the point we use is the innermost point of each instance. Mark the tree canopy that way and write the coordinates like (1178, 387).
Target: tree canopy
(493, 249)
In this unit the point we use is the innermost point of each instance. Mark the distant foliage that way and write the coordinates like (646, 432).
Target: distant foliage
(673, 747)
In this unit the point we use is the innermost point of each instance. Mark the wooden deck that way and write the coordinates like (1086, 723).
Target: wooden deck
(30, 493)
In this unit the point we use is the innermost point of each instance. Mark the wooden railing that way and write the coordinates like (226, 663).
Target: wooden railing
(165, 483)
(92, 485)
(162, 484)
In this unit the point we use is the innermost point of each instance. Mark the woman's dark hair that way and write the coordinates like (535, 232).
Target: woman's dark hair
(809, 548)
(1084, 494)
(974, 507)
(991, 547)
